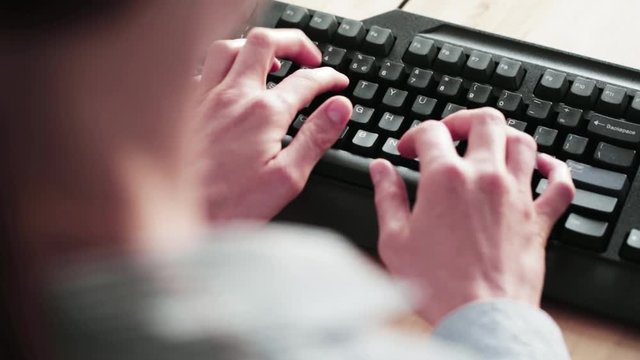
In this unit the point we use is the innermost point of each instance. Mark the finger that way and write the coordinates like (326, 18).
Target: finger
(521, 155)
(220, 57)
(300, 88)
(392, 202)
(485, 130)
(559, 192)
(430, 142)
(319, 132)
(255, 59)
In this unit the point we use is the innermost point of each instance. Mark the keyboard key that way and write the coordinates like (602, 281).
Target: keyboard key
(584, 200)
(582, 93)
(334, 56)
(394, 98)
(298, 122)
(450, 59)
(365, 91)
(390, 122)
(631, 248)
(423, 106)
(479, 95)
(600, 180)
(450, 109)
(614, 155)
(285, 67)
(350, 34)
(449, 86)
(569, 117)
(575, 145)
(362, 65)
(378, 41)
(343, 137)
(365, 141)
(613, 101)
(585, 232)
(421, 52)
(614, 129)
(390, 147)
(545, 138)
(391, 71)
(361, 114)
(420, 79)
(509, 102)
(552, 86)
(517, 124)
(294, 17)
(271, 85)
(509, 74)
(634, 109)
(322, 27)
(479, 66)
(539, 109)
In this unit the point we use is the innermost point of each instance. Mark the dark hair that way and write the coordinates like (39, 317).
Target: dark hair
(22, 21)
(34, 15)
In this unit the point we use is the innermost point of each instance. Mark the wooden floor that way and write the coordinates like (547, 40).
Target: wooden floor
(605, 30)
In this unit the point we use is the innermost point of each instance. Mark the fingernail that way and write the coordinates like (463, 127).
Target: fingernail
(335, 112)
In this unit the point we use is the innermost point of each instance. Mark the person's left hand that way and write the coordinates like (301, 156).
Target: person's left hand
(248, 173)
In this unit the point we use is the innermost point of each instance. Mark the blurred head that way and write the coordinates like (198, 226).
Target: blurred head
(107, 72)
(92, 86)
(89, 89)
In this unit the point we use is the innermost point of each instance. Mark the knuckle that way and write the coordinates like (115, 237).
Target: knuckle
(299, 33)
(565, 191)
(307, 75)
(260, 37)
(288, 179)
(492, 115)
(493, 181)
(524, 140)
(450, 172)
(264, 105)
(299, 36)
(427, 127)
(221, 48)
(227, 98)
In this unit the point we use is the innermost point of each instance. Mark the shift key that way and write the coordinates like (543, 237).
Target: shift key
(596, 179)
(614, 129)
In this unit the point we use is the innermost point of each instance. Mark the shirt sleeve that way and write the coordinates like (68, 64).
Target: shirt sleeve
(498, 329)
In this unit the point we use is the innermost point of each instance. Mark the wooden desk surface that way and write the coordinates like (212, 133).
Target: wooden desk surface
(600, 29)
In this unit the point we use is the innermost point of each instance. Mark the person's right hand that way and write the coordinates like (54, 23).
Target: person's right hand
(475, 232)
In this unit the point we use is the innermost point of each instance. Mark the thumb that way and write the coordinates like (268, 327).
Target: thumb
(560, 190)
(319, 132)
(392, 203)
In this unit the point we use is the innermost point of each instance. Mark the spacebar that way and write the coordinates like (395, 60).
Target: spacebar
(600, 180)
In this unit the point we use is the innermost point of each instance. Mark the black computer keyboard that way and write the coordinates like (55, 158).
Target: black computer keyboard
(406, 68)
